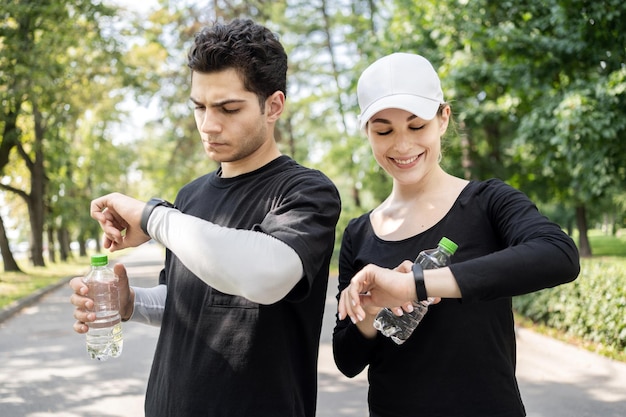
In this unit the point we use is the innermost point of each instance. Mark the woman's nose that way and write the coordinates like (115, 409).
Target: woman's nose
(402, 142)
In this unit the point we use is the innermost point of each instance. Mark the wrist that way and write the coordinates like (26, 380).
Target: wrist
(149, 208)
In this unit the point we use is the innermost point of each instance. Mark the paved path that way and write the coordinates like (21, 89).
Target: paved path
(45, 371)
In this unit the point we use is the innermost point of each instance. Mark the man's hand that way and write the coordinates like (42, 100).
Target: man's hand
(119, 217)
(84, 313)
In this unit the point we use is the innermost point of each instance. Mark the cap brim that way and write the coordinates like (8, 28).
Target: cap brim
(423, 108)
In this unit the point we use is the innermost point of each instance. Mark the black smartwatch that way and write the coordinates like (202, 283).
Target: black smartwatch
(420, 285)
(147, 211)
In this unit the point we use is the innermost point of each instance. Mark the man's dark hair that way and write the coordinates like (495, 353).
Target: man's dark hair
(251, 49)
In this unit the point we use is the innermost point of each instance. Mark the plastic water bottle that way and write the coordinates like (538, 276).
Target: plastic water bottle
(104, 338)
(399, 328)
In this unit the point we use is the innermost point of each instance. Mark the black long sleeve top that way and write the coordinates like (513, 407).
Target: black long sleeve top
(460, 361)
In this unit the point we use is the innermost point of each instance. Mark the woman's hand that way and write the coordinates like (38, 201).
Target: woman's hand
(374, 287)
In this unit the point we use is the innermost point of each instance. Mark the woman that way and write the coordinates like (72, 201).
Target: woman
(460, 361)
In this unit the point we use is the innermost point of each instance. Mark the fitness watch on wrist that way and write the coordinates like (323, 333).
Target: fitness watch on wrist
(420, 285)
(147, 211)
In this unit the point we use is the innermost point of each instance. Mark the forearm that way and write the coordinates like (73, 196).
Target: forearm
(366, 327)
(148, 305)
(250, 264)
(440, 283)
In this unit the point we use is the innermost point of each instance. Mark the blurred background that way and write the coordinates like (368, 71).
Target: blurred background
(94, 99)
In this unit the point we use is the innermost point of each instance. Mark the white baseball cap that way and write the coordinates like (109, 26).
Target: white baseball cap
(399, 81)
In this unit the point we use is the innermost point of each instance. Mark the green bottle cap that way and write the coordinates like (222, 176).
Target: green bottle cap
(99, 260)
(448, 245)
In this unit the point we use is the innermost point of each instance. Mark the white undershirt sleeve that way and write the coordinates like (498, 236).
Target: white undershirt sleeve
(247, 263)
(149, 305)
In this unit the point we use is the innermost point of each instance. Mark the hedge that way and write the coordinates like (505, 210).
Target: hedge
(592, 308)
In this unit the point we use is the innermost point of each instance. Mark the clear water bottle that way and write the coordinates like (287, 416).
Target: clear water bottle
(399, 328)
(104, 338)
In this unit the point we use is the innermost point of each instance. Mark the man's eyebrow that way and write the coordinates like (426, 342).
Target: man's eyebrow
(218, 103)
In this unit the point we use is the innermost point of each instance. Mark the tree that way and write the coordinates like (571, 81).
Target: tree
(56, 49)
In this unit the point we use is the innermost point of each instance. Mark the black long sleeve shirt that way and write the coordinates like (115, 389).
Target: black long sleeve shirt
(460, 361)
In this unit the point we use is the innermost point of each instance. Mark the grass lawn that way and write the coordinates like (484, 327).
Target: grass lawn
(14, 286)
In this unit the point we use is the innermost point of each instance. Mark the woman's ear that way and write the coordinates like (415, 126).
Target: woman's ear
(444, 119)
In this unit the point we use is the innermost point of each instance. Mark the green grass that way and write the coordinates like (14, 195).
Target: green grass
(14, 286)
(604, 245)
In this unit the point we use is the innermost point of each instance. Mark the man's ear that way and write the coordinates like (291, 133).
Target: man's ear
(274, 106)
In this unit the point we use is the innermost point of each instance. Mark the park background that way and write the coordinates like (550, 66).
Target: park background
(94, 99)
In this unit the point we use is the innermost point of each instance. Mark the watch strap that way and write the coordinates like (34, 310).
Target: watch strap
(147, 211)
(420, 285)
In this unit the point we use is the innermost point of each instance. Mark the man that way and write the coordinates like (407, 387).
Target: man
(241, 297)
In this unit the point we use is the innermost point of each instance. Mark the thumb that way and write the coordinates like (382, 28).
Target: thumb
(120, 271)
(126, 296)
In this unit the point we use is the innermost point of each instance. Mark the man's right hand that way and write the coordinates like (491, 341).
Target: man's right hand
(83, 313)
(120, 219)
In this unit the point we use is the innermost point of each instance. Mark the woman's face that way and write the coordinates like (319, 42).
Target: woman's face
(406, 146)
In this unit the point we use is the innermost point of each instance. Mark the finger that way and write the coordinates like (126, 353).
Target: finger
(408, 307)
(81, 302)
(358, 286)
(84, 316)
(122, 274)
(349, 307)
(98, 206)
(123, 286)
(80, 327)
(78, 286)
(341, 310)
(347, 304)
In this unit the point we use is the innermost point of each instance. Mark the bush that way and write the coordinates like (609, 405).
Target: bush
(592, 308)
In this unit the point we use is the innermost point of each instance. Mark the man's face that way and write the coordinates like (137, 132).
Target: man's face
(232, 127)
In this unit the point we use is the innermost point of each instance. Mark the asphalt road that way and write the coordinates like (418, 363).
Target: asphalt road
(45, 371)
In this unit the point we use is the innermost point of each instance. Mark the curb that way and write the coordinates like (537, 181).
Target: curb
(16, 306)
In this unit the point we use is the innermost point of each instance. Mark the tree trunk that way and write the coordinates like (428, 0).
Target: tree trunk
(9, 262)
(52, 254)
(36, 205)
(584, 248)
(356, 196)
(466, 158)
(64, 243)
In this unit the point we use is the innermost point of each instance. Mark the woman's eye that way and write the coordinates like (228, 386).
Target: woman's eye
(384, 133)
(416, 127)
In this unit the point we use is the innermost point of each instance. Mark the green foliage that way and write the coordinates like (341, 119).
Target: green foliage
(592, 308)
(537, 91)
